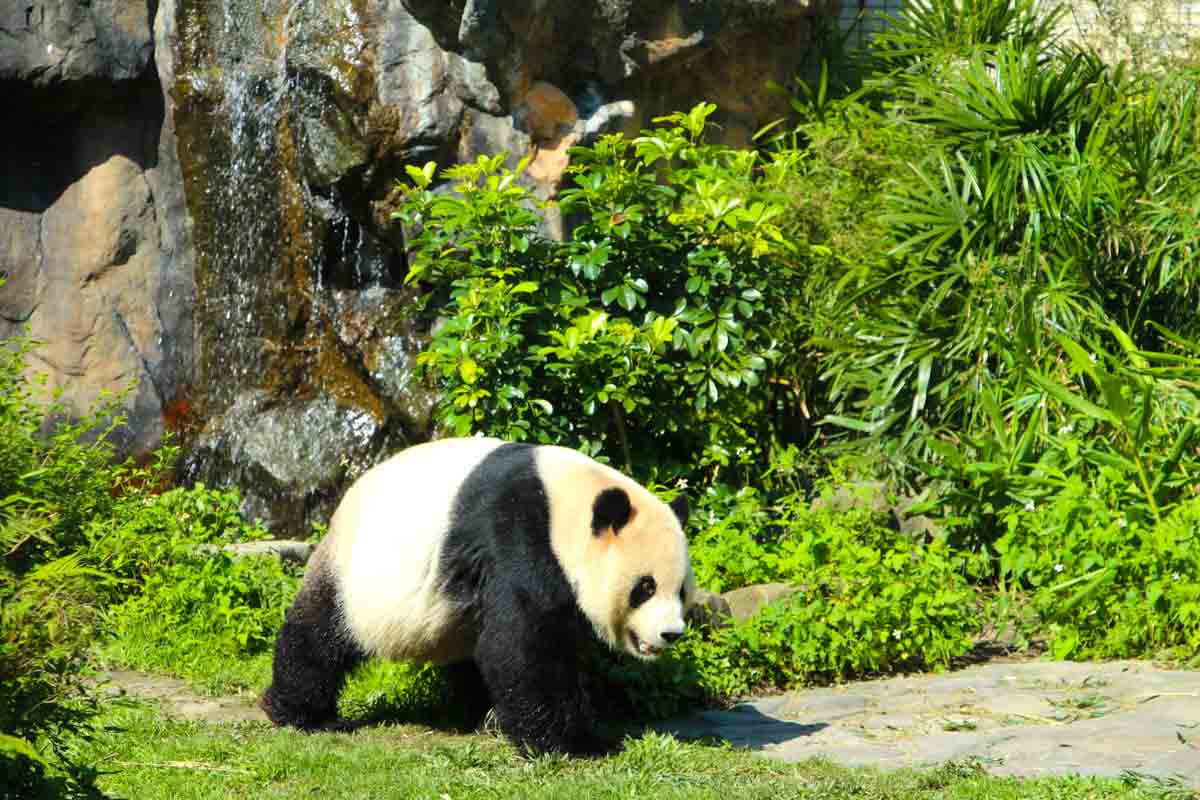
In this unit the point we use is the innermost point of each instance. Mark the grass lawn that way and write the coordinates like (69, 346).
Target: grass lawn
(146, 757)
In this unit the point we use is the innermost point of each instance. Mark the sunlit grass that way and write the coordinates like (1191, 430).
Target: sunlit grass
(146, 756)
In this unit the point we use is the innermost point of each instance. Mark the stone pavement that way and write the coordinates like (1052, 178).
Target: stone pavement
(1032, 718)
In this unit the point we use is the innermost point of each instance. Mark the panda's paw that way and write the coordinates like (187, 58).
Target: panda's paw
(337, 725)
(590, 746)
(303, 718)
(597, 747)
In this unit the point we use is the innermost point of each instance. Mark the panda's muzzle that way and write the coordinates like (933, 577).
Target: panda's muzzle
(643, 648)
(650, 651)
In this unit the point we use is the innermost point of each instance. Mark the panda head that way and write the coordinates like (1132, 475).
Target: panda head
(638, 576)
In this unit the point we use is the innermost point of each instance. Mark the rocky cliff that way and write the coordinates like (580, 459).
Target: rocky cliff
(195, 194)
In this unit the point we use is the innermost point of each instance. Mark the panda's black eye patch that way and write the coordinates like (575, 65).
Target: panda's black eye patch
(643, 590)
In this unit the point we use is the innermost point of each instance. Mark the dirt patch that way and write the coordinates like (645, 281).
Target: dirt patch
(178, 699)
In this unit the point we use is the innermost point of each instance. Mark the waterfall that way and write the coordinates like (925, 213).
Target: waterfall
(262, 134)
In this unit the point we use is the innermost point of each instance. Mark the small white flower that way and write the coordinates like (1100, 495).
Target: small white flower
(1065, 429)
(1122, 523)
(896, 633)
(1093, 358)
(1174, 576)
(681, 483)
(1029, 506)
(1058, 567)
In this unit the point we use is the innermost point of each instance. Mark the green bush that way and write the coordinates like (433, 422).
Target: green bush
(868, 600)
(1106, 583)
(646, 338)
(55, 476)
(185, 606)
(1018, 331)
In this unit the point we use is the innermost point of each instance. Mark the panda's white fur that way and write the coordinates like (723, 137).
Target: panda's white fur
(379, 570)
(446, 549)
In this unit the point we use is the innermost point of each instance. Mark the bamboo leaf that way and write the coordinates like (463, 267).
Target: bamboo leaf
(1068, 398)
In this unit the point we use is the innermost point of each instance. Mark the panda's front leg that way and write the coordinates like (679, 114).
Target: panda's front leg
(531, 663)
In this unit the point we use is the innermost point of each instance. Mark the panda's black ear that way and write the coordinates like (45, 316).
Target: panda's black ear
(611, 509)
(680, 506)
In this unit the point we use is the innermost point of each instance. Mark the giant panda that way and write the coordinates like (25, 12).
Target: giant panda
(504, 558)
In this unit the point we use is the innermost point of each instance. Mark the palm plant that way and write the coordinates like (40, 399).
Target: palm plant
(1057, 205)
(928, 30)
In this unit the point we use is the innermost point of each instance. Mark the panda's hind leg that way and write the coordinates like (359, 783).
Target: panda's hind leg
(313, 655)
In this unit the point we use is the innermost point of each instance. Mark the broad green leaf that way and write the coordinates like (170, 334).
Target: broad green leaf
(1111, 386)
(1084, 361)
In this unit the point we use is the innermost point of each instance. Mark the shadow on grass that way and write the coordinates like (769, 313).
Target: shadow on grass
(742, 726)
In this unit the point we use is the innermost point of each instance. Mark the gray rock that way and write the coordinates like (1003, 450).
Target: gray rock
(283, 549)
(711, 609)
(48, 42)
(746, 602)
(89, 273)
(290, 459)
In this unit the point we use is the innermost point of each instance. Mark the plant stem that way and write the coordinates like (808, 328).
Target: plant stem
(619, 419)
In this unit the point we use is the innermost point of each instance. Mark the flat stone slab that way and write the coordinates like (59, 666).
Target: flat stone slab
(1034, 718)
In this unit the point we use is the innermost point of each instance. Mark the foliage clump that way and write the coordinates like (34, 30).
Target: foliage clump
(184, 605)
(52, 485)
(636, 339)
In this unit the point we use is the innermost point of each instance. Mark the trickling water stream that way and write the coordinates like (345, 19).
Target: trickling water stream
(266, 90)
(298, 311)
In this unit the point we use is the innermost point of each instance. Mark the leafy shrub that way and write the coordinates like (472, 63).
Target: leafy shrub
(55, 476)
(194, 610)
(868, 600)
(925, 31)
(1020, 334)
(1106, 583)
(646, 337)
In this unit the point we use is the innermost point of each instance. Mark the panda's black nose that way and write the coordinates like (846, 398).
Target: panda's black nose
(670, 637)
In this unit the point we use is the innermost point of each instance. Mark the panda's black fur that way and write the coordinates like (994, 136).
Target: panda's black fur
(499, 569)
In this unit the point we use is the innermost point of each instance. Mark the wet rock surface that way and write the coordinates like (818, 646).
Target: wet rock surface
(291, 458)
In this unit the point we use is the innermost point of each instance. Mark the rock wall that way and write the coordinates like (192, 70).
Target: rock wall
(195, 200)
(93, 245)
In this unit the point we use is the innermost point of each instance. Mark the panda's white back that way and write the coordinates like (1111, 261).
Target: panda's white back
(385, 542)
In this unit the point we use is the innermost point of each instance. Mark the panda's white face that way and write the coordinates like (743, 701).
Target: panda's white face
(655, 615)
(646, 582)
(623, 551)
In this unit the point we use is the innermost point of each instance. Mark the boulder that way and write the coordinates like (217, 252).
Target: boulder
(291, 459)
(49, 42)
(744, 603)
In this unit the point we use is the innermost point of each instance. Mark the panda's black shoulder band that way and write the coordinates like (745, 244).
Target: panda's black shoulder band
(680, 506)
(611, 509)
